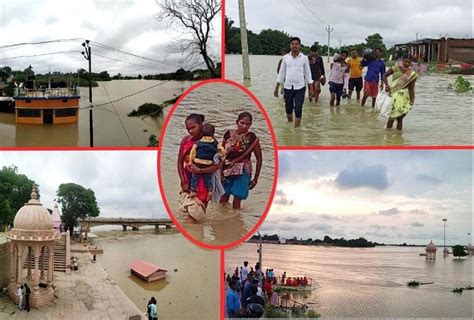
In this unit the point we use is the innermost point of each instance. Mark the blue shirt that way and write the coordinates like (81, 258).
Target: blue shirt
(232, 302)
(375, 69)
(247, 293)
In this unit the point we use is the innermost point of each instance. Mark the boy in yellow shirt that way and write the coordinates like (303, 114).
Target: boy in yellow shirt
(355, 78)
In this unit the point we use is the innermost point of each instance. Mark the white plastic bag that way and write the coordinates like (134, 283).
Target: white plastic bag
(383, 104)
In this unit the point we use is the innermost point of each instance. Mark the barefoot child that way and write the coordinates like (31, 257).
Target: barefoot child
(336, 78)
(202, 156)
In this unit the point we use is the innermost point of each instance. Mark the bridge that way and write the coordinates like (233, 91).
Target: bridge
(134, 223)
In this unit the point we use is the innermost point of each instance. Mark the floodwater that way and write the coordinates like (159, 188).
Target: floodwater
(221, 104)
(190, 292)
(440, 115)
(369, 282)
(112, 128)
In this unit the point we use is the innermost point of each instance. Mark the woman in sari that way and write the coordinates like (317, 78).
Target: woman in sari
(402, 90)
(240, 144)
(194, 206)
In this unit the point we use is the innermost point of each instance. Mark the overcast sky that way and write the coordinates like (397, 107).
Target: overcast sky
(128, 25)
(384, 196)
(125, 182)
(352, 21)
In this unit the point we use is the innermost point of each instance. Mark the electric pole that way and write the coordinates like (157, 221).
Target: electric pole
(340, 44)
(244, 41)
(329, 30)
(87, 54)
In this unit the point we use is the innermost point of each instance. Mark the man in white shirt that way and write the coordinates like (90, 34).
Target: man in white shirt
(244, 273)
(294, 75)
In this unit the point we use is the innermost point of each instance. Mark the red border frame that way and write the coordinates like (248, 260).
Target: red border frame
(275, 154)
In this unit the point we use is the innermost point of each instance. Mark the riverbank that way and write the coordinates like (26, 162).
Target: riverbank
(88, 293)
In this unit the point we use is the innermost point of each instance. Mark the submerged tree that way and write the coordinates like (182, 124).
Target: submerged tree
(458, 251)
(197, 17)
(77, 203)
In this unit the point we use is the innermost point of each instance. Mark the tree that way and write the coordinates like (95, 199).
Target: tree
(77, 203)
(197, 16)
(458, 251)
(375, 41)
(15, 191)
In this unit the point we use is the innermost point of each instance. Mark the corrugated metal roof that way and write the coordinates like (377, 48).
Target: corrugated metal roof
(145, 268)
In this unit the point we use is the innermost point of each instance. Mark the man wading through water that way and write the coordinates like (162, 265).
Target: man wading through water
(294, 74)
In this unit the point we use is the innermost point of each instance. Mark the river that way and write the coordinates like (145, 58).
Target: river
(220, 103)
(369, 282)
(440, 115)
(112, 128)
(191, 287)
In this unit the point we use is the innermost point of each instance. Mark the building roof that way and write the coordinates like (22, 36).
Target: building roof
(33, 216)
(56, 216)
(145, 268)
(431, 246)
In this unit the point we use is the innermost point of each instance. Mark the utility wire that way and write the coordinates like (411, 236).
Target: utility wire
(40, 54)
(119, 60)
(312, 12)
(104, 46)
(40, 42)
(132, 94)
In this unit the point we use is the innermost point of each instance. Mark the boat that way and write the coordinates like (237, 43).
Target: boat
(147, 271)
(293, 284)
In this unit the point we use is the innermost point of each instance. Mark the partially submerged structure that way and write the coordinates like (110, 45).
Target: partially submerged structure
(442, 50)
(147, 271)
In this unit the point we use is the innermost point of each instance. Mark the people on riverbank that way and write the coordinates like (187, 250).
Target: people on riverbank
(239, 145)
(318, 74)
(294, 75)
(339, 68)
(375, 71)
(20, 297)
(232, 301)
(402, 90)
(27, 297)
(152, 309)
(355, 74)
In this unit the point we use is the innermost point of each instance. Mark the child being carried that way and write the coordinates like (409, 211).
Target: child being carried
(203, 155)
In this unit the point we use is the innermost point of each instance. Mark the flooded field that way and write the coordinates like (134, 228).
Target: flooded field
(440, 115)
(191, 287)
(220, 103)
(369, 282)
(112, 126)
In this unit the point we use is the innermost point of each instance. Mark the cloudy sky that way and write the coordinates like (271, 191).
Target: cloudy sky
(129, 25)
(352, 21)
(125, 182)
(384, 196)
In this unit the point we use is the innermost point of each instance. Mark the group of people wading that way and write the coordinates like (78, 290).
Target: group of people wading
(297, 71)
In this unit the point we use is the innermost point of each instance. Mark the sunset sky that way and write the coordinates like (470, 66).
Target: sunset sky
(384, 196)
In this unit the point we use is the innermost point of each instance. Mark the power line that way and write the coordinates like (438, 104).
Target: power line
(104, 46)
(132, 94)
(312, 12)
(118, 117)
(132, 63)
(39, 42)
(40, 54)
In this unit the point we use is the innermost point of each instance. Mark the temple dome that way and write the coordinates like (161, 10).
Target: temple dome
(33, 216)
(431, 246)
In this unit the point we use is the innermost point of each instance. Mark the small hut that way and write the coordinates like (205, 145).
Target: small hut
(147, 271)
(431, 251)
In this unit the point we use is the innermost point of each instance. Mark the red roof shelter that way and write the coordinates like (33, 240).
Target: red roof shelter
(147, 271)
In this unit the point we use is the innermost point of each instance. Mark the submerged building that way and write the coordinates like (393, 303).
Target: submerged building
(45, 105)
(442, 50)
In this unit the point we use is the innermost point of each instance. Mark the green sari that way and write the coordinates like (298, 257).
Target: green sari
(399, 91)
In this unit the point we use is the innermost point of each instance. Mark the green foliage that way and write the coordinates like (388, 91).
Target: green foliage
(274, 312)
(413, 283)
(461, 85)
(15, 191)
(155, 110)
(77, 203)
(458, 251)
(457, 290)
(152, 141)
